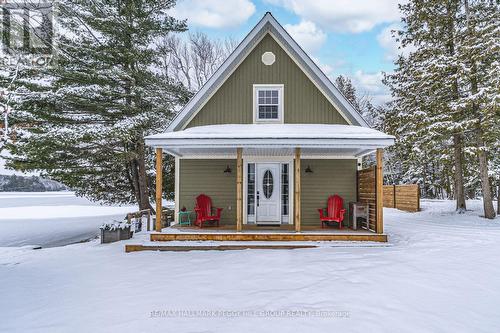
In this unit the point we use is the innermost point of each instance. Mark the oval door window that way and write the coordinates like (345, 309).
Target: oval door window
(267, 183)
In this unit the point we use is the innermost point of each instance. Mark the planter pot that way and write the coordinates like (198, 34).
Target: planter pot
(110, 236)
(125, 233)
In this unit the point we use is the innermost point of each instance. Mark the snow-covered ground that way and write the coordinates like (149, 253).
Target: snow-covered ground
(52, 218)
(440, 272)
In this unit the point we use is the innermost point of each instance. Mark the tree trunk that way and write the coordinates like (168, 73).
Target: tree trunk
(134, 180)
(457, 137)
(459, 175)
(142, 179)
(498, 198)
(131, 177)
(489, 210)
(447, 189)
(424, 181)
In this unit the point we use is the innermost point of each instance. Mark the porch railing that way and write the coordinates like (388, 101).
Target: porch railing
(138, 216)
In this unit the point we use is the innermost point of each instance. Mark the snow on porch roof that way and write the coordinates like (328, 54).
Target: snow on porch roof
(276, 135)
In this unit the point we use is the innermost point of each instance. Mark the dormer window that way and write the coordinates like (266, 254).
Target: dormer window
(268, 103)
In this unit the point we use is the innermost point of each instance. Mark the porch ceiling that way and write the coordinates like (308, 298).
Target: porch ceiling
(277, 152)
(315, 140)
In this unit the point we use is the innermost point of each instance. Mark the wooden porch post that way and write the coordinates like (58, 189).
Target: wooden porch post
(239, 189)
(296, 187)
(159, 187)
(379, 188)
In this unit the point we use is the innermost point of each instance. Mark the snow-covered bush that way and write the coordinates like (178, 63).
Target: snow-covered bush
(115, 225)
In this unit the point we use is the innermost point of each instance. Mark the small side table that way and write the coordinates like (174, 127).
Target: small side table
(185, 217)
(359, 210)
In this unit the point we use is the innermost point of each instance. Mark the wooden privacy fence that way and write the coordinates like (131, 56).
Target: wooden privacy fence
(403, 197)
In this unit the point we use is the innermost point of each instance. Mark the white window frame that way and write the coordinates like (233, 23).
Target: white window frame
(281, 99)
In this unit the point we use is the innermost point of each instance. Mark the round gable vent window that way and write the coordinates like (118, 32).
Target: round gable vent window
(268, 58)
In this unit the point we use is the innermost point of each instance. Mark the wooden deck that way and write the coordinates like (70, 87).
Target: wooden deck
(273, 237)
(185, 248)
(265, 233)
(266, 228)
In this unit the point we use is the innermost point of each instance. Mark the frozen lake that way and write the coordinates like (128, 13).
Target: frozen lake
(52, 218)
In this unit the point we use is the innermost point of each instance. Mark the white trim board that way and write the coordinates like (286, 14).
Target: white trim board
(267, 24)
(319, 87)
(177, 189)
(274, 159)
(213, 91)
(267, 157)
(172, 143)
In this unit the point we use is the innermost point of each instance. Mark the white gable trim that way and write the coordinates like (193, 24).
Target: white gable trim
(226, 69)
(336, 105)
(211, 94)
(267, 24)
(235, 67)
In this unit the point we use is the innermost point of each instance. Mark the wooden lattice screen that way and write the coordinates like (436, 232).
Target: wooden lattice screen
(367, 193)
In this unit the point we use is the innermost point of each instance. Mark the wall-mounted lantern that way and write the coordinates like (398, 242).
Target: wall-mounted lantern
(308, 169)
(227, 170)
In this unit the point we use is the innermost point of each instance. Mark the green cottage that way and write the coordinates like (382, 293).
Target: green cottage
(270, 140)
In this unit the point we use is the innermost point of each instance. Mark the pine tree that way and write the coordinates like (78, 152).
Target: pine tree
(375, 118)
(424, 87)
(361, 103)
(446, 93)
(479, 56)
(344, 84)
(88, 114)
(24, 44)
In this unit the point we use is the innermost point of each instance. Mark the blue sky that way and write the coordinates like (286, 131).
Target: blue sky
(348, 37)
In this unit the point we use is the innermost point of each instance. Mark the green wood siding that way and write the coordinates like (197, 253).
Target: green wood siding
(329, 177)
(208, 177)
(233, 102)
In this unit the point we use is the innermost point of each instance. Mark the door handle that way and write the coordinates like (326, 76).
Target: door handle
(258, 198)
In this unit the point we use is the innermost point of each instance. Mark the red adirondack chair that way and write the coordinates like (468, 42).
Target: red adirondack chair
(204, 211)
(334, 211)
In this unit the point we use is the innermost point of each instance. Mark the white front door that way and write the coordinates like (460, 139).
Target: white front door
(268, 193)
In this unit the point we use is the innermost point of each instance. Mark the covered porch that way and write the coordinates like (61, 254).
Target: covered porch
(309, 162)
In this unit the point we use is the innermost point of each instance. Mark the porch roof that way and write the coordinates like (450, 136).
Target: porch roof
(346, 140)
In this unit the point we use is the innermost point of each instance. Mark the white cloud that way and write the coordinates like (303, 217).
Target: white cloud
(214, 13)
(353, 16)
(307, 34)
(325, 68)
(370, 84)
(387, 40)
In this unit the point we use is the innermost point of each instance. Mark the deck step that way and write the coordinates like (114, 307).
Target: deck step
(272, 237)
(182, 248)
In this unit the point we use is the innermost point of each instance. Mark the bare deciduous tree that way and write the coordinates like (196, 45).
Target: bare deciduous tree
(192, 61)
